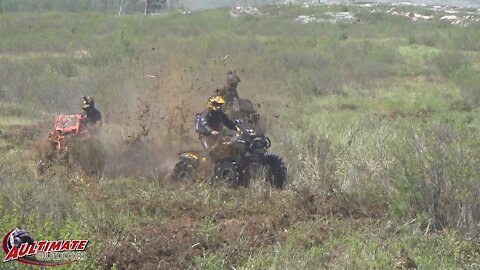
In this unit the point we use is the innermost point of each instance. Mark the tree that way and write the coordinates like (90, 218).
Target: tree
(152, 5)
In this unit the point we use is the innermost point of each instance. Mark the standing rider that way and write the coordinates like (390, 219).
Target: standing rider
(211, 122)
(229, 91)
(91, 117)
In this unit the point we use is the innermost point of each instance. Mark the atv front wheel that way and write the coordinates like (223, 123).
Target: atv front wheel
(227, 171)
(276, 171)
(87, 155)
(183, 171)
(41, 167)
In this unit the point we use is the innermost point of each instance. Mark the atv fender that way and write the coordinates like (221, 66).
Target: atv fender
(192, 157)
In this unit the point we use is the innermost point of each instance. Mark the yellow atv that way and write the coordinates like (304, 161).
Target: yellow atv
(233, 160)
(218, 164)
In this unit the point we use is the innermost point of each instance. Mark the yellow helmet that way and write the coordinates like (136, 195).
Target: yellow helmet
(215, 103)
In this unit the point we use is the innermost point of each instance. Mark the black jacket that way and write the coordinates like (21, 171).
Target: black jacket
(91, 117)
(214, 120)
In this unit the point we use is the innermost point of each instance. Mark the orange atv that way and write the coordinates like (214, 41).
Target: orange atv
(65, 125)
(67, 128)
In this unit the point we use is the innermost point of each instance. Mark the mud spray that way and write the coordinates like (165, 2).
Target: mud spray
(151, 120)
(152, 123)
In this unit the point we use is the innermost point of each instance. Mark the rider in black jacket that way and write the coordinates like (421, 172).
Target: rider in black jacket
(212, 121)
(91, 116)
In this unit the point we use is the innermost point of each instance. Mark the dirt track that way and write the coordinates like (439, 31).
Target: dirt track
(191, 230)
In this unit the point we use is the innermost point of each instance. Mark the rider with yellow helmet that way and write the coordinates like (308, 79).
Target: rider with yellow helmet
(211, 122)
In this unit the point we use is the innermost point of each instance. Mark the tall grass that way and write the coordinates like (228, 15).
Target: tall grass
(377, 122)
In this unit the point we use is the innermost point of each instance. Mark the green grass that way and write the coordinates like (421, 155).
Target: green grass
(365, 249)
(372, 119)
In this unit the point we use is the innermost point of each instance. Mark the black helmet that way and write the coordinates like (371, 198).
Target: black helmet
(87, 103)
(232, 78)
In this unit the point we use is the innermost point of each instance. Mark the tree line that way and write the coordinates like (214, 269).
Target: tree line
(105, 6)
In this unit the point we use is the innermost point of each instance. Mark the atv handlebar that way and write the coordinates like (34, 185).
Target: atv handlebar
(253, 138)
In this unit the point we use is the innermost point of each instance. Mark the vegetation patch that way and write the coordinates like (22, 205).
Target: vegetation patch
(377, 122)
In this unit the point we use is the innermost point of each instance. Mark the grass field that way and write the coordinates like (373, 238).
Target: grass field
(378, 122)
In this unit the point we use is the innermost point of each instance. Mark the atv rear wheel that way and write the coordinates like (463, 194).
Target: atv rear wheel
(45, 152)
(183, 171)
(227, 171)
(276, 171)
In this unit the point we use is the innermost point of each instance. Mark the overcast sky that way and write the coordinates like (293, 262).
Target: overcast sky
(204, 4)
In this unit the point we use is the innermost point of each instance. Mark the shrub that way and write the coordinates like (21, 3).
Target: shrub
(448, 63)
(469, 83)
(435, 176)
(316, 164)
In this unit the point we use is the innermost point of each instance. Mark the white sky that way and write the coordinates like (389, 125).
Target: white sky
(205, 4)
